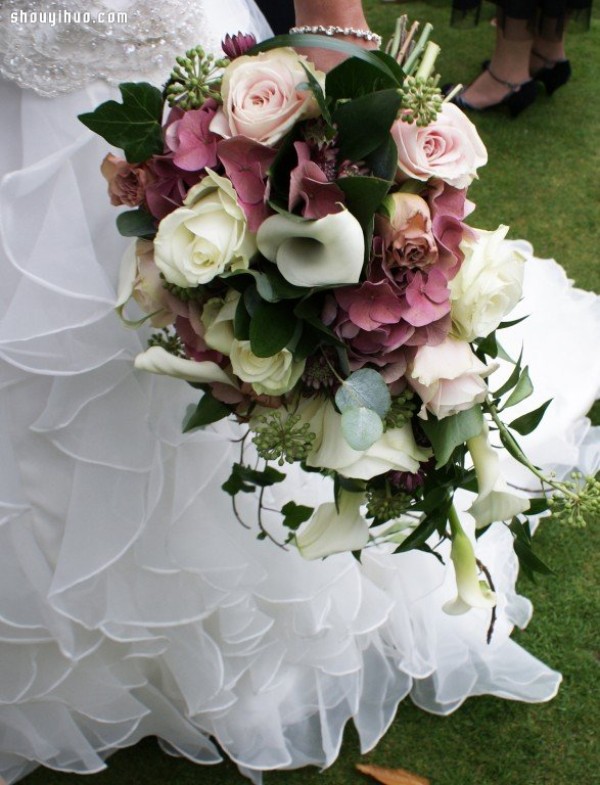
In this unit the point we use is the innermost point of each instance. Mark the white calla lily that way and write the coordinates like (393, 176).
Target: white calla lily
(127, 275)
(308, 253)
(334, 529)
(495, 502)
(158, 360)
(472, 593)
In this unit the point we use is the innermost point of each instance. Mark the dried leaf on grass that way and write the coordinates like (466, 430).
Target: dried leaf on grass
(392, 776)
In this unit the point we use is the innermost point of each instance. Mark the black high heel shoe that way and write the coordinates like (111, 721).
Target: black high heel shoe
(554, 73)
(520, 95)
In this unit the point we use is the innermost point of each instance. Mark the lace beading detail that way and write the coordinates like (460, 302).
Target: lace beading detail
(64, 57)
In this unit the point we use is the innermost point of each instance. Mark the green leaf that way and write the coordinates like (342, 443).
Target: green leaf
(530, 421)
(208, 410)
(354, 77)
(512, 379)
(325, 42)
(364, 388)
(270, 283)
(528, 561)
(450, 432)
(364, 123)
(309, 309)
(295, 514)
(383, 161)
(523, 389)
(504, 325)
(318, 93)
(136, 223)
(272, 327)
(244, 479)
(363, 197)
(361, 427)
(134, 125)
(241, 322)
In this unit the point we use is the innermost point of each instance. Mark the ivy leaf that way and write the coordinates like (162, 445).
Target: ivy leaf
(244, 479)
(364, 388)
(136, 223)
(530, 421)
(450, 432)
(208, 410)
(134, 125)
(361, 427)
(295, 514)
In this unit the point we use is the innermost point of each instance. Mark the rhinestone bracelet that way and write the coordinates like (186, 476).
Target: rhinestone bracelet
(332, 30)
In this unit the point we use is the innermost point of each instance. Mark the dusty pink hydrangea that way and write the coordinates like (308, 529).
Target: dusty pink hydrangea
(246, 164)
(188, 137)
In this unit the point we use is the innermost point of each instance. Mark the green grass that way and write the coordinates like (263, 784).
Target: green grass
(542, 181)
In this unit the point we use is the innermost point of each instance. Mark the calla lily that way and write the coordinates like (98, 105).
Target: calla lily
(472, 593)
(158, 360)
(127, 276)
(324, 252)
(495, 502)
(334, 529)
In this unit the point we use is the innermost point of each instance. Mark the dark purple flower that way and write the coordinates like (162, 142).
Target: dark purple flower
(168, 185)
(309, 184)
(237, 45)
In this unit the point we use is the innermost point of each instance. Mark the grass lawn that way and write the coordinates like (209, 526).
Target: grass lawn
(541, 180)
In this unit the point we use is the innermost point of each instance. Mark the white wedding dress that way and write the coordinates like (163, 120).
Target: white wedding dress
(131, 601)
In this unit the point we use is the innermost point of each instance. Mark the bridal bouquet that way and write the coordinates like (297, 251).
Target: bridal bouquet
(303, 255)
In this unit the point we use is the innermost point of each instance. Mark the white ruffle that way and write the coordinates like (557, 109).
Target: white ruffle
(133, 603)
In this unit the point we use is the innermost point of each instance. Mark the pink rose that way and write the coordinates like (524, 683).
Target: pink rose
(448, 378)
(126, 182)
(187, 135)
(449, 148)
(406, 234)
(261, 96)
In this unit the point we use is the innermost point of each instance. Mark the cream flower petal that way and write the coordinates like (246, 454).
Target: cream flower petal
(331, 531)
(158, 360)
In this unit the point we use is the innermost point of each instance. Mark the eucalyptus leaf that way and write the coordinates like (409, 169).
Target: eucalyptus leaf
(361, 427)
(364, 389)
(530, 421)
(450, 432)
(133, 125)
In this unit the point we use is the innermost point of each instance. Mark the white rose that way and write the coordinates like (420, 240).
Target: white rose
(448, 378)
(274, 375)
(205, 237)
(262, 98)
(489, 283)
(396, 449)
(217, 319)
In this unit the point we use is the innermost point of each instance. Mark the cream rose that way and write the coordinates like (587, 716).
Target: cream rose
(448, 378)
(139, 278)
(217, 319)
(274, 375)
(205, 237)
(489, 283)
(449, 148)
(262, 97)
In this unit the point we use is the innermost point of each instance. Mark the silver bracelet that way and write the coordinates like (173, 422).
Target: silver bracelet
(332, 30)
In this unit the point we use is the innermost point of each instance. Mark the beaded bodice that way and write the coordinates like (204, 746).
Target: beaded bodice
(58, 46)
